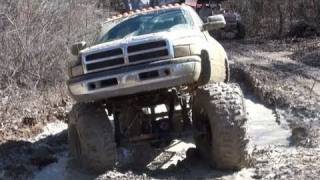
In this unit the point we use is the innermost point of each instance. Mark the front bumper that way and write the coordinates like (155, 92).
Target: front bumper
(135, 79)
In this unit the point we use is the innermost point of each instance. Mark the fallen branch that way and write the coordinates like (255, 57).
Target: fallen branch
(314, 83)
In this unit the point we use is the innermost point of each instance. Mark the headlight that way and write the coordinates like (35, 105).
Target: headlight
(182, 50)
(75, 68)
(186, 50)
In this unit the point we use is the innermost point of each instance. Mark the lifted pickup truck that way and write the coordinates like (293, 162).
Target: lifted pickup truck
(148, 59)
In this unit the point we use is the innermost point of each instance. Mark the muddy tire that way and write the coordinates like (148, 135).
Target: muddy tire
(218, 112)
(91, 137)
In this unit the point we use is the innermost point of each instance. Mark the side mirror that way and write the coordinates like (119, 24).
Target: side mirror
(77, 47)
(214, 23)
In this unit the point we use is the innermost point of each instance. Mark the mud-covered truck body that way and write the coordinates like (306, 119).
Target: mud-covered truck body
(148, 71)
(147, 51)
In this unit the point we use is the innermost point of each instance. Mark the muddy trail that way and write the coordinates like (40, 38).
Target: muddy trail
(285, 76)
(282, 88)
(46, 156)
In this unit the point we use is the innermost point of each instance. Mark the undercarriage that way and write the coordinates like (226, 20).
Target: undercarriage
(157, 117)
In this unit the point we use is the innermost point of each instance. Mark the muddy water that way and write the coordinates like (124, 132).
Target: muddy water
(263, 130)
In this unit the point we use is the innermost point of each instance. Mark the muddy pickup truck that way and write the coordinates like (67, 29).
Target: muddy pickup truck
(141, 80)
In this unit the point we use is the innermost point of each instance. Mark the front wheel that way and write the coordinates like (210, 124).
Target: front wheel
(219, 117)
(91, 137)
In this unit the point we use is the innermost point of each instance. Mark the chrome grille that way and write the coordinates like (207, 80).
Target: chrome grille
(104, 54)
(104, 60)
(148, 51)
(126, 55)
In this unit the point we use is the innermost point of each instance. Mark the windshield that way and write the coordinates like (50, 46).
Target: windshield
(146, 24)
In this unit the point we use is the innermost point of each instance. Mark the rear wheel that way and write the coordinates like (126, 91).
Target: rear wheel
(91, 137)
(219, 116)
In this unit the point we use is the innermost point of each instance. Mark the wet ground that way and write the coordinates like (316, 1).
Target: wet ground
(284, 75)
(262, 129)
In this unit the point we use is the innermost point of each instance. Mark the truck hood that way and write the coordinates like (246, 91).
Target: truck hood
(176, 37)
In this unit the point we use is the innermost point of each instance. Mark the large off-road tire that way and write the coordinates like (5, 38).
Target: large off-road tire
(91, 137)
(219, 115)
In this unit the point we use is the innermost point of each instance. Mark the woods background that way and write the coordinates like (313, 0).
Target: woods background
(35, 36)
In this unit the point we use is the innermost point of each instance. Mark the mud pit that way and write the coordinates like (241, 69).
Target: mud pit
(174, 163)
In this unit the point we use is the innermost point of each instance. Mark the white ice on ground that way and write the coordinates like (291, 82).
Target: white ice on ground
(177, 146)
(50, 129)
(61, 171)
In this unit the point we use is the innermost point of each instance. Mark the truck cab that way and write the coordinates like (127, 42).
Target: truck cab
(148, 50)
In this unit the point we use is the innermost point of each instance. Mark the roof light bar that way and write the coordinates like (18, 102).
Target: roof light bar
(126, 14)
